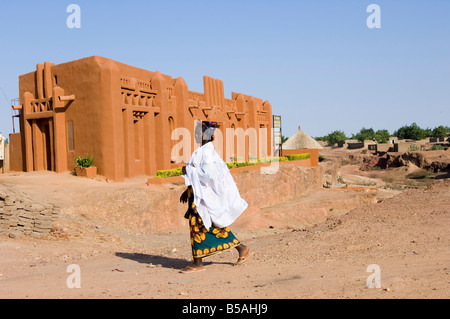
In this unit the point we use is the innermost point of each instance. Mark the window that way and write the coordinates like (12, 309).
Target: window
(70, 142)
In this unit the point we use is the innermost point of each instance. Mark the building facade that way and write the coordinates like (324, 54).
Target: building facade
(133, 121)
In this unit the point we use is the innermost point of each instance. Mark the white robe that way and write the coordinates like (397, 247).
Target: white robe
(216, 195)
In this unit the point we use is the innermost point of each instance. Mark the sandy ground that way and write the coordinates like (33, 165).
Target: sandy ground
(404, 232)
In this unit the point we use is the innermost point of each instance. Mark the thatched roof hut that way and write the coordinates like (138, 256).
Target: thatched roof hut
(301, 140)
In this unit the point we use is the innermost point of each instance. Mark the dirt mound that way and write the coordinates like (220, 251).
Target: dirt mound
(436, 161)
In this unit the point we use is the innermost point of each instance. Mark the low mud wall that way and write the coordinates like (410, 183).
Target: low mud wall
(22, 215)
(140, 208)
(157, 208)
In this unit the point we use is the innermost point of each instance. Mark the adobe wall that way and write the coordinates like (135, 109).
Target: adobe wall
(88, 114)
(125, 117)
(314, 158)
(46, 110)
(15, 152)
(158, 104)
(289, 183)
(402, 147)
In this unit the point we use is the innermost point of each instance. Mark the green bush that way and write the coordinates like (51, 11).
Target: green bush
(84, 161)
(296, 157)
(169, 173)
(414, 147)
(437, 147)
(239, 164)
(265, 160)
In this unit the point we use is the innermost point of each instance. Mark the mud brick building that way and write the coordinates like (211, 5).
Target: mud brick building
(125, 117)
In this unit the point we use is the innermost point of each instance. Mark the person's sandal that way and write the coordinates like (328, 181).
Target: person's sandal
(190, 269)
(243, 259)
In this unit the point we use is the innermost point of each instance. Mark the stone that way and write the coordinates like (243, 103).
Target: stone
(36, 235)
(15, 234)
(20, 214)
(37, 207)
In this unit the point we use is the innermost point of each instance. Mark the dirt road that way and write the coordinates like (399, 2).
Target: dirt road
(406, 236)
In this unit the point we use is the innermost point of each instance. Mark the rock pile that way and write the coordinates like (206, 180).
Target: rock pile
(22, 215)
(398, 159)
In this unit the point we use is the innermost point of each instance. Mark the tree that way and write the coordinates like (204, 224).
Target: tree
(322, 138)
(382, 136)
(335, 137)
(365, 134)
(440, 132)
(412, 131)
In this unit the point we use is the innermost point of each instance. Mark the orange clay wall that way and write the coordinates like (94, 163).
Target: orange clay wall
(314, 158)
(126, 117)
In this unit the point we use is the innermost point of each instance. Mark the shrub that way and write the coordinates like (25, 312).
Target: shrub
(169, 173)
(437, 147)
(85, 161)
(296, 157)
(419, 174)
(414, 147)
(265, 160)
(239, 164)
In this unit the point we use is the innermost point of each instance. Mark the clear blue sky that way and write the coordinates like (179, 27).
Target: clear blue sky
(317, 62)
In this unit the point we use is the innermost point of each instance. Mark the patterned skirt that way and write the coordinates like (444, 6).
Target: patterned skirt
(209, 242)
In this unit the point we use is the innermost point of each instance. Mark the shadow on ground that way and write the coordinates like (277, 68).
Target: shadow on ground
(443, 175)
(166, 262)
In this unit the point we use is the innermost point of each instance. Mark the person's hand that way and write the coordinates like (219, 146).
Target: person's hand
(184, 197)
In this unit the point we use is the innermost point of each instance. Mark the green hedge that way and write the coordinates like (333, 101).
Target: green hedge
(264, 160)
(296, 157)
(240, 164)
(169, 173)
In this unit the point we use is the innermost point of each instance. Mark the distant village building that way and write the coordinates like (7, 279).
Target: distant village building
(301, 140)
(2, 154)
(126, 117)
(2, 147)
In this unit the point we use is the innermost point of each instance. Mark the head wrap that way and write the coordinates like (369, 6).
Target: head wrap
(204, 130)
(208, 128)
(209, 124)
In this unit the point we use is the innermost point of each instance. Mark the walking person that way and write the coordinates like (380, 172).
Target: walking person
(214, 202)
